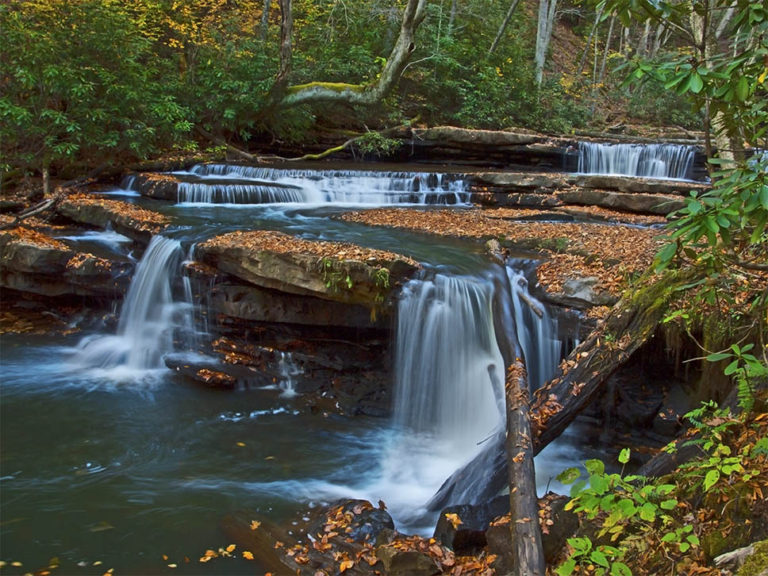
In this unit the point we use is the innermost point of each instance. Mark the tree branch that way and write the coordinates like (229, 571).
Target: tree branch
(364, 94)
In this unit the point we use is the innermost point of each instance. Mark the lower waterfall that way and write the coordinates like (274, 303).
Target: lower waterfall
(145, 332)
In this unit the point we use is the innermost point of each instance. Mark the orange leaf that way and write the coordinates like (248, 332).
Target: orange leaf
(247, 555)
(255, 524)
(346, 565)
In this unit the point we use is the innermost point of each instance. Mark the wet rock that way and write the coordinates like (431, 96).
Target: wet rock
(406, 562)
(468, 537)
(634, 184)
(264, 305)
(158, 186)
(360, 520)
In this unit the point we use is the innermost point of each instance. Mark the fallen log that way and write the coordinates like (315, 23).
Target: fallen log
(527, 549)
(632, 322)
(38, 208)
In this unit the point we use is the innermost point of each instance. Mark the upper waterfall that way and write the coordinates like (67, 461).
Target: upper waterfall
(235, 184)
(673, 161)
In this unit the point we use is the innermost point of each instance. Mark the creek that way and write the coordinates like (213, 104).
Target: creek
(111, 458)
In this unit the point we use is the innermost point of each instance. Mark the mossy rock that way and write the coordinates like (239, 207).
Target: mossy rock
(757, 563)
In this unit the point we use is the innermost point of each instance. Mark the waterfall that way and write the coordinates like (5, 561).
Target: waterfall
(148, 318)
(288, 369)
(671, 161)
(445, 350)
(449, 385)
(233, 184)
(536, 335)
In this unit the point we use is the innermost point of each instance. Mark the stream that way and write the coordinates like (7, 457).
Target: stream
(119, 463)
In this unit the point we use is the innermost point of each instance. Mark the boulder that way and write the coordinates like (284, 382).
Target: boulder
(158, 186)
(398, 562)
(249, 302)
(580, 292)
(634, 184)
(468, 536)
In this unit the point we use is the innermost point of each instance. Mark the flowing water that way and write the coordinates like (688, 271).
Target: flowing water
(671, 161)
(110, 458)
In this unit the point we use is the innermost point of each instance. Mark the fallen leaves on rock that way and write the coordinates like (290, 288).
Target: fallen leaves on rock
(611, 253)
(281, 243)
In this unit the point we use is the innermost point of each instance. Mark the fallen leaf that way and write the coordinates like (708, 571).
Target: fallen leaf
(454, 520)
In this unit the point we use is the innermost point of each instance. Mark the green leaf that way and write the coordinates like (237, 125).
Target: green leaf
(695, 84)
(668, 504)
(620, 569)
(648, 512)
(624, 456)
(742, 89)
(599, 558)
(731, 368)
(595, 466)
(566, 568)
(717, 356)
(711, 479)
(569, 475)
(598, 483)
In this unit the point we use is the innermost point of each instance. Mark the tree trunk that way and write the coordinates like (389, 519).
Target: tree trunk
(364, 94)
(528, 553)
(503, 27)
(546, 22)
(588, 43)
(606, 48)
(265, 19)
(286, 46)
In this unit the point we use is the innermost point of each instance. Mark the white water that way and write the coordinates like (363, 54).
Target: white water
(672, 161)
(147, 320)
(252, 185)
(288, 370)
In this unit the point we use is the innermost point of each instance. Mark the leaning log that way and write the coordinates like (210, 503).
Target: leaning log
(527, 549)
(631, 323)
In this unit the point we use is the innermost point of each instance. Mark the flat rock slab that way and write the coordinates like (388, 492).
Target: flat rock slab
(33, 262)
(136, 223)
(334, 271)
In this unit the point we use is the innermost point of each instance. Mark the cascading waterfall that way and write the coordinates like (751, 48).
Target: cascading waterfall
(449, 390)
(449, 384)
(232, 184)
(148, 318)
(673, 161)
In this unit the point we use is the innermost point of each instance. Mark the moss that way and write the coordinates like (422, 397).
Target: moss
(757, 563)
(334, 86)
